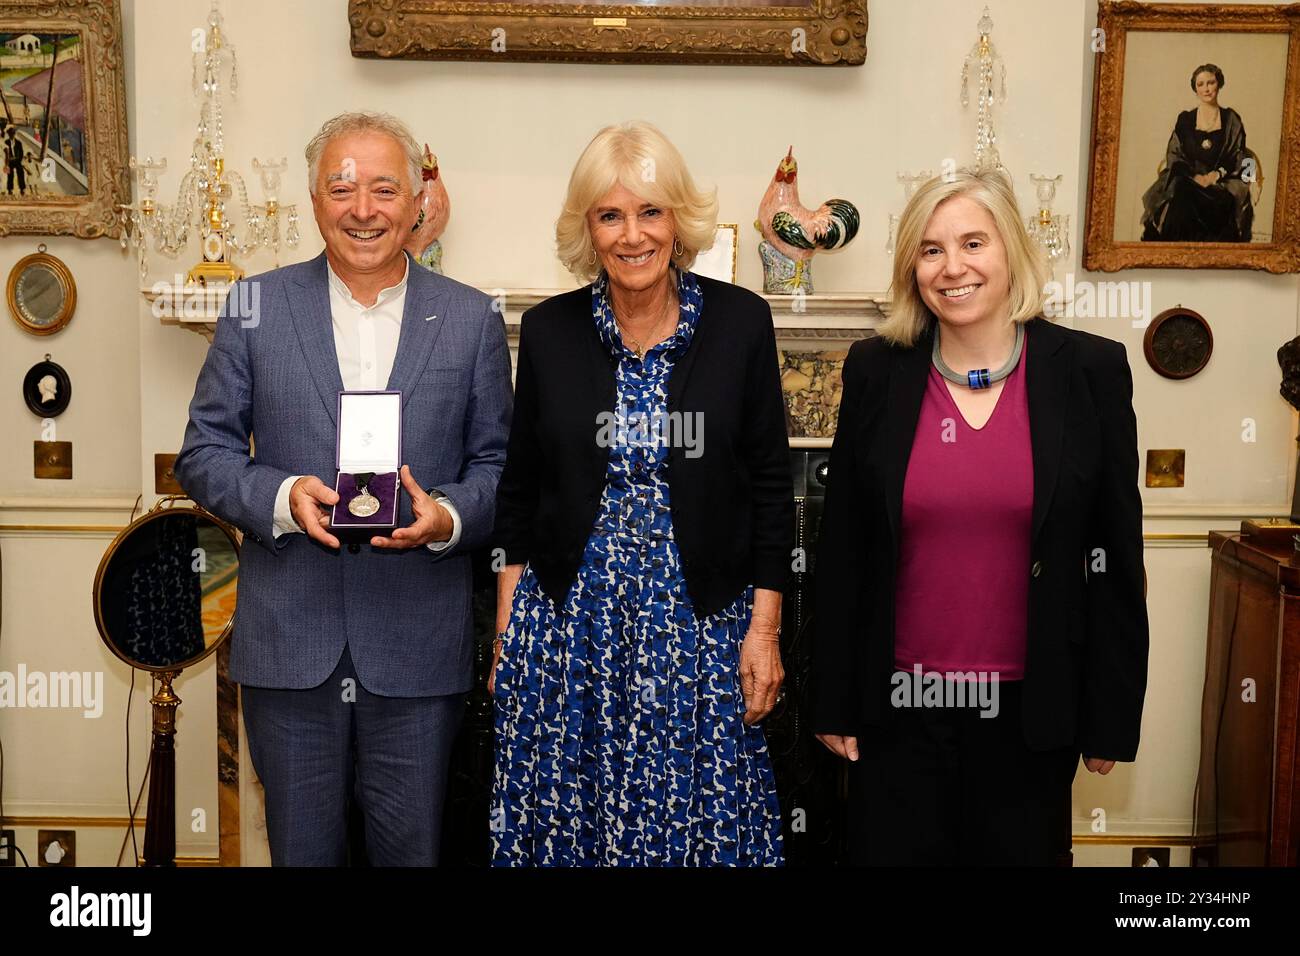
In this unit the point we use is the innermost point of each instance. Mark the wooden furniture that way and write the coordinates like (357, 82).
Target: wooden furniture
(1246, 807)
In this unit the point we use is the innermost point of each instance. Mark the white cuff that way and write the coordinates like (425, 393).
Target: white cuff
(455, 526)
(282, 522)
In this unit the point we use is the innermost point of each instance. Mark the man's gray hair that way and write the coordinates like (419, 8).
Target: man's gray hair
(365, 122)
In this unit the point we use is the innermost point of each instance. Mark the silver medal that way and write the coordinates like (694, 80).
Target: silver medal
(364, 505)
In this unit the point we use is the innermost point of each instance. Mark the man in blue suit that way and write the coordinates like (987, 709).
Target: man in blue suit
(353, 660)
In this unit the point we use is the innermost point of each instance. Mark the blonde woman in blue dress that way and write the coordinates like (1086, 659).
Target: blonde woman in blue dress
(646, 514)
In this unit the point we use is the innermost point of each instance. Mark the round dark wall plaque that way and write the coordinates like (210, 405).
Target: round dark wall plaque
(1178, 343)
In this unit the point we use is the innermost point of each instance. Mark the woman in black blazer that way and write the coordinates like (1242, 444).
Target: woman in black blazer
(981, 621)
(645, 515)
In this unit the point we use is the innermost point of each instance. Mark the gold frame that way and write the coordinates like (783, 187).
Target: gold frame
(834, 32)
(1102, 253)
(163, 507)
(718, 229)
(64, 275)
(94, 215)
(735, 245)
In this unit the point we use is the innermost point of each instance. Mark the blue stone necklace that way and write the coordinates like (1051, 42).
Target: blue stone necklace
(979, 377)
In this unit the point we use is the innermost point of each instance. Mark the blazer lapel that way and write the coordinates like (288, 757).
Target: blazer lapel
(603, 391)
(908, 371)
(1047, 369)
(422, 322)
(603, 387)
(315, 328)
(681, 372)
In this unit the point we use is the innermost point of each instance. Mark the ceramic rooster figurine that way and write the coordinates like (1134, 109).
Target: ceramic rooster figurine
(792, 235)
(435, 210)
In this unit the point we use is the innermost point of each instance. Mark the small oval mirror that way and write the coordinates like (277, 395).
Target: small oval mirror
(42, 294)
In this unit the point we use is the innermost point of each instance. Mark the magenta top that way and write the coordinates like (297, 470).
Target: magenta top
(962, 596)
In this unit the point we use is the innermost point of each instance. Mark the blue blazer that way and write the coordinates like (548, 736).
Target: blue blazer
(404, 615)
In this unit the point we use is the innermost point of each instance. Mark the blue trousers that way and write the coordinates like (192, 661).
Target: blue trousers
(312, 747)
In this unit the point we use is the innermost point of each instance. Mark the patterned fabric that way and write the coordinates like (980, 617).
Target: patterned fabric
(619, 731)
(164, 603)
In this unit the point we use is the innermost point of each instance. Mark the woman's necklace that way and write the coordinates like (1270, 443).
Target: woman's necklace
(1211, 125)
(637, 348)
(979, 377)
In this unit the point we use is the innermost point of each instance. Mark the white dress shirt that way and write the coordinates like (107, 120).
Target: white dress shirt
(365, 338)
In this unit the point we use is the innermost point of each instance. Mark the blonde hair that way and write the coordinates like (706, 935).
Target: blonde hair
(1028, 270)
(639, 157)
(365, 122)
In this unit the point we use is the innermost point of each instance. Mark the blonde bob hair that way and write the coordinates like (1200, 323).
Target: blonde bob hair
(909, 316)
(639, 157)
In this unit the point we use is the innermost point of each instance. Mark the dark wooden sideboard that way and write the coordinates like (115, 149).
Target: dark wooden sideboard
(1249, 777)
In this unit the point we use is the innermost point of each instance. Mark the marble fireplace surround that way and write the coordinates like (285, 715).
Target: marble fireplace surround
(824, 320)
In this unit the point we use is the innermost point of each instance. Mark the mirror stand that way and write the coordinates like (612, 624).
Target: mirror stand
(160, 814)
(164, 599)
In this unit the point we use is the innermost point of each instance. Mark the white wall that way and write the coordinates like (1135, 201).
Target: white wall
(58, 762)
(506, 135)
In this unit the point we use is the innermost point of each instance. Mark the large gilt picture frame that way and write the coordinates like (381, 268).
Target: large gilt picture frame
(1195, 138)
(63, 137)
(795, 32)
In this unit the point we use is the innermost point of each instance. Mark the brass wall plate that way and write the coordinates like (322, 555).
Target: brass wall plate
(52, 459)
(1166, 467)
(65, 854)
(164, 476)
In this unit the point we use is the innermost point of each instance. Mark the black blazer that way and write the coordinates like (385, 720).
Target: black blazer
(732, 505)
(1086, 655)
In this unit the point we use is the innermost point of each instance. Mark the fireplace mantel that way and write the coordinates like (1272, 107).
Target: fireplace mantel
(824, 320)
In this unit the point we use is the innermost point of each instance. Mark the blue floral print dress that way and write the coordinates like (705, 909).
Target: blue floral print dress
(619, 731)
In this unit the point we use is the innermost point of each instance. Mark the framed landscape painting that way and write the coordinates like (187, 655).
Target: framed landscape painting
(63, 150)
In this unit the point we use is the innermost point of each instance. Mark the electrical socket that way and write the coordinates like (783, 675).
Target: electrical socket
(1151, 856)
(56, 847)
(7, 843)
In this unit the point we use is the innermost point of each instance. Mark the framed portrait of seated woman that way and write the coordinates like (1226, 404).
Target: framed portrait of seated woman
(1195, 138)
(778, 32)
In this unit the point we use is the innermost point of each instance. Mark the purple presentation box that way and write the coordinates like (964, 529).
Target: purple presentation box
(369, 440)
